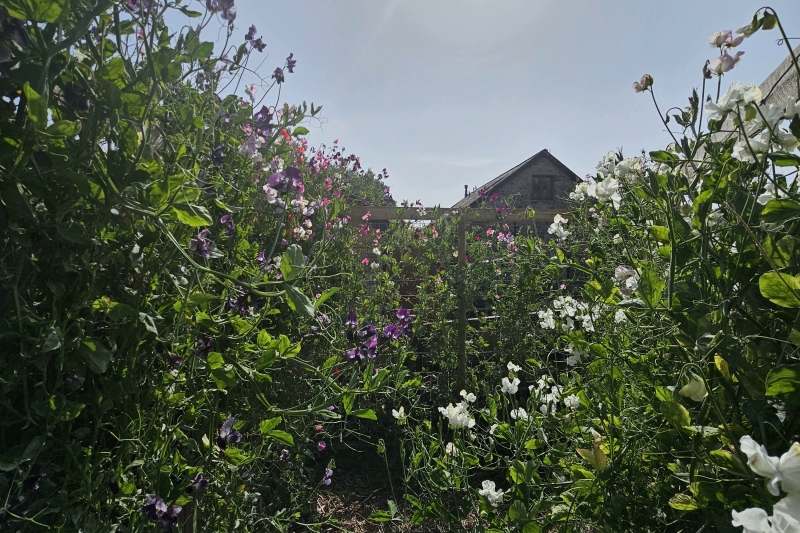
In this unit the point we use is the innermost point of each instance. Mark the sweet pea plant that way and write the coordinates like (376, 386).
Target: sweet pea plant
(639, 370)
(170, 267)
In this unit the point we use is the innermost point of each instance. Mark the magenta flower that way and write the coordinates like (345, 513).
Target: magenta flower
(321, 445)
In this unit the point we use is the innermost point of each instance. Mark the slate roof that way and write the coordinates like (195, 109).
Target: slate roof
(473, 197)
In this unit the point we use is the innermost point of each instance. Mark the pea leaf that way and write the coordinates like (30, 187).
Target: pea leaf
(780, 210)
(683, 502)
(270, 424)
(300, 130)
(325, 295)
(676, 414)
(299, 302)
(784, 160)
(780, 289)
(292, 262)
(36, 10)
(369, 414)
(64, 128)
(193, 215)
(37, 107)
(650, 287)
(280, 436)
(784, 380)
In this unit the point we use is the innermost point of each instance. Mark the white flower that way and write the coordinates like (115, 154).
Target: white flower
(400, 415)
(725, 62)
(792, 107)
(695, 389)
(617, 239)
(519, 413)
(575, 354)
(737, 94)
(620, 316)
(747, 149)
(510, 387)
(451, 449)
(512, 367)
(458, 415)
(606, 190)
(492, 428)
(374, 265)
(591, 431)
(376, 252)
(572, 401)
(784, 470)
(628, 165)
(495, 496)
(785, 517)
(470, 397)
(546, 319)
(724, 38)
(581, 192)
(770, 192)
(557, 227)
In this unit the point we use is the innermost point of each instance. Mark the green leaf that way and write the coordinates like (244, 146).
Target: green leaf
(348, 400)
(37, 107)
(380, 516)
(64, 128)
(662, 156)
(784, 380)
(215, 360)
(676, 414)
(300, 130)
(728, 461)
(149, 322)
(325, 295)
(369, 414)
(683, 502)
(52, 341)
(193, 215)
(780, 210)
(202, 298)
(784, 160)
(780, 289)
(280, 436)
(292, 262)
(96, 355)
(36, 10)
(298, 301)
(270, 424)
(650, 287)
(660, 233)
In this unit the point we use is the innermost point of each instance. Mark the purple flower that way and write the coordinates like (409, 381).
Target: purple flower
(323, 319)
(218, 155)
(228, 226)
(251, 33)
(223, 6)
(227, 435)
(261, 258)
(352, 321)
(279, 182)
(198, 484)
(262, 120)
(203, 347)
(202, 245)
(392, 331)
(296, 177)
(284, 455)
(404, 315)
(326, 479)
(321, 445)
(258, 44)
(155, 510)
(290, 63)
(278, 75)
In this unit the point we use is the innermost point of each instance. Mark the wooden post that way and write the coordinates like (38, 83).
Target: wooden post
(461, 287)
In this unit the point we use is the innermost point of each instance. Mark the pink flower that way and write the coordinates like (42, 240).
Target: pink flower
(489, 232)
(365, 261)
(321, 445)
(318, 428)
(366, 217)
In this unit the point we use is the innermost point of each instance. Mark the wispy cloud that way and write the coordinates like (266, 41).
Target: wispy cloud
(451, 160)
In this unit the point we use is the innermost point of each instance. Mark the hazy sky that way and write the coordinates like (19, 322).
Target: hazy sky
(445, 93)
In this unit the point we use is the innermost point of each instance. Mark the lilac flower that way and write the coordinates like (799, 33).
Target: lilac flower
(352, 321)
(198, 484)
(284, 455)
(218, 155)
(250, 91)
(404, 315)
(227, 435)
(321, 445)
(392, 331)
(326, 479)
(323, 319)
(278, 75)
(227, 225)
(278, 182)
(157, 512)
(290, 63)
(261, 258)
(296, 177)
(251, 33)
(202, 245)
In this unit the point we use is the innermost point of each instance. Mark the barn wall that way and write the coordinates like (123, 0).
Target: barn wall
(531, 184)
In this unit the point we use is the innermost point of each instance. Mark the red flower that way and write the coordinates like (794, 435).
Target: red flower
(285, 134)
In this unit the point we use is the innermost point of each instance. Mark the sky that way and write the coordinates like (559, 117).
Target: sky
(444, 93)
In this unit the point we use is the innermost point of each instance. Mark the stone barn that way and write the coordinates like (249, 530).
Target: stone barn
(540, 182)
